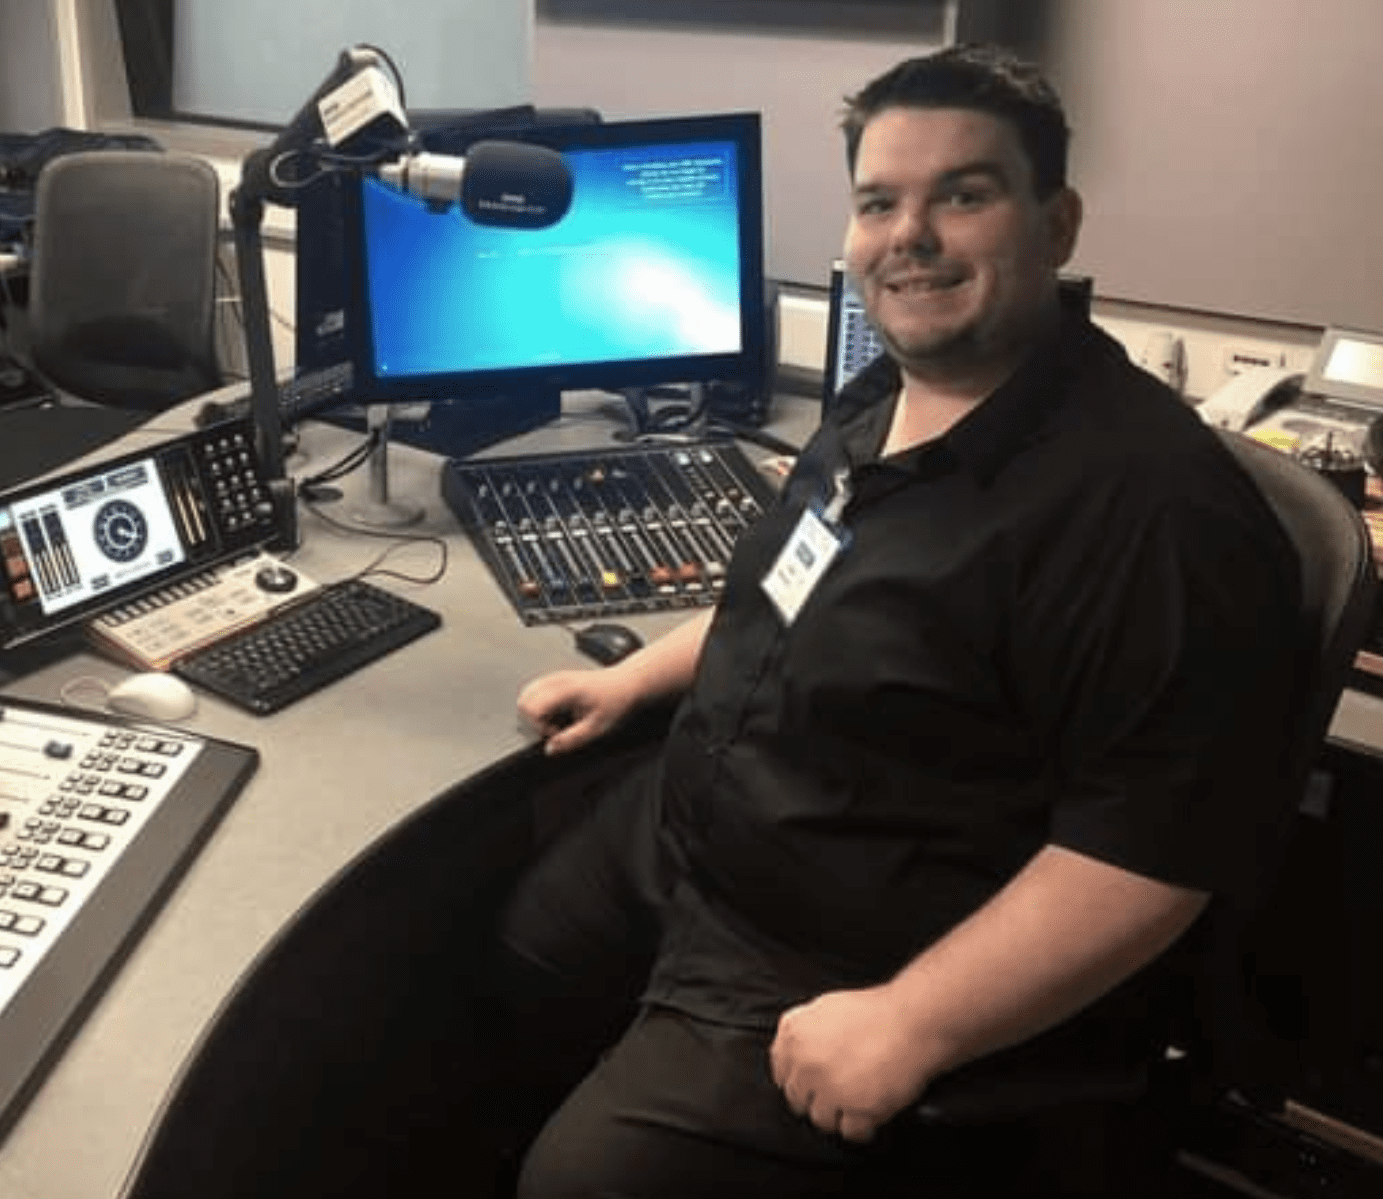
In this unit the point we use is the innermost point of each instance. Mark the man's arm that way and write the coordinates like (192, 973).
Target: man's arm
(1063, 932)
(571, 707)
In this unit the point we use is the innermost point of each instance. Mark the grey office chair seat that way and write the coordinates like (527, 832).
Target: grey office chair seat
(122, 287)
(315, 1078)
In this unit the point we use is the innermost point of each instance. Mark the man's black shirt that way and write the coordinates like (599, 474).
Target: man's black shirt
(1065, 621)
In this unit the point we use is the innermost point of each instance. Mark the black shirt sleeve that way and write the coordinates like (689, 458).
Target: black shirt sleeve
(1167, 690)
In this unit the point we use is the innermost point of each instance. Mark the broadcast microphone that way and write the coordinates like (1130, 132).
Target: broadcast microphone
(496, 183)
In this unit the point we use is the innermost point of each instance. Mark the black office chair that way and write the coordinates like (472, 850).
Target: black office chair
(317, 1077)
(122, 287)
(1128, 1116)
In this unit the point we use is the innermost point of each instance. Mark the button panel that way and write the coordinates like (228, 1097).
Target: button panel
(76, 793)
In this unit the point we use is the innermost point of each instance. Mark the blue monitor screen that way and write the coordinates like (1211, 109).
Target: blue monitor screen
(645, 265)
(654, 275)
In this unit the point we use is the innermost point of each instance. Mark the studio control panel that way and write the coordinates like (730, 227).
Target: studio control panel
(234, 488)
(624, 529)
(98, 817)
(80, 543)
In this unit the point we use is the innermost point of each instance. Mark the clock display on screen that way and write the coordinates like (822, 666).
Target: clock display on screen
(120, 530)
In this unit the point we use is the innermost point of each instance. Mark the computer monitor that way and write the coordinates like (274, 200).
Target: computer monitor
(851, 341)
(654, 276)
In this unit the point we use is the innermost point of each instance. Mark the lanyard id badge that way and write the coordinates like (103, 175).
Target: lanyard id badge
(813, 545)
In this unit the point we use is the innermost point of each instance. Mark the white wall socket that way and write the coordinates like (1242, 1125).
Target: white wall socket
(1240, 358)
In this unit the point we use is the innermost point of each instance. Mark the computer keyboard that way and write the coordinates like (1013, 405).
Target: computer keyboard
(299, 398)
(302, 648)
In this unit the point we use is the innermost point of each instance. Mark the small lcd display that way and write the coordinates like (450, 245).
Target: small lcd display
(77, 542)
(1347, 368)
(1355, 361)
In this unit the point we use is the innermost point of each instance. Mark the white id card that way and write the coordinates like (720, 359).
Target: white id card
(812, 547)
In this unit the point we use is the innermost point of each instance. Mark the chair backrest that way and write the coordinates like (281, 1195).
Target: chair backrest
(1228, 1016)
(122, 291)
(1338, 582)
(1218, 1015)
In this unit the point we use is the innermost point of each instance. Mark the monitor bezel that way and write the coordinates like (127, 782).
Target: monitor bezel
(1319, 381)
(742, 129)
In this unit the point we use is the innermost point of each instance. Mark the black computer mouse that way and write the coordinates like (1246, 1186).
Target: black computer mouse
(607, 643)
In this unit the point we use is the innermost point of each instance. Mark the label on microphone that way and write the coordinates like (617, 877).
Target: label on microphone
(358, 102)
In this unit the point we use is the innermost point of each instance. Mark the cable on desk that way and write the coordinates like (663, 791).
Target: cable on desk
(87, 692)
(693, 418)
(400, 540)
(353, 460)
(761, 437)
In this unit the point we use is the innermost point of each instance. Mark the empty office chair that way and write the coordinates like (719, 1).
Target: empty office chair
(122, 289)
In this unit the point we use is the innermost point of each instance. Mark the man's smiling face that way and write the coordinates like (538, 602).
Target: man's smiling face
(952, 250)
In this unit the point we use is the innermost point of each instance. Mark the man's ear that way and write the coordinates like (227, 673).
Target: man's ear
(1064, 209)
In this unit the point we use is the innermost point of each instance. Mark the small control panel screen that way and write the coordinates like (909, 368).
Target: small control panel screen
(1348, 367)
(79, 541)
(1353, 360)
(75, 544)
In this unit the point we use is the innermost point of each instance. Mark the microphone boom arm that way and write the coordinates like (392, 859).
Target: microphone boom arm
(349, 102)
(358, 106)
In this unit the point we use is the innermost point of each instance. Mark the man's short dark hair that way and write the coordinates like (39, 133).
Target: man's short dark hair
(984, 78)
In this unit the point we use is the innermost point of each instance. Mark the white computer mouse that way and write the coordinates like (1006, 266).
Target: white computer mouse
(153, 696)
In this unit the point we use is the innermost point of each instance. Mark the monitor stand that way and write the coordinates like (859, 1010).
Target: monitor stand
(380, 510)
(461, 426)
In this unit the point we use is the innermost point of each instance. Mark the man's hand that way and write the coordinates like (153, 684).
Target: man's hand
(848, 1061)
(572, 707)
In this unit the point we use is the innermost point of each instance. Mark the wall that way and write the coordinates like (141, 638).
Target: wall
(1142, 82)
(1230, 152)
(1178, 79)
(449, 54)
(29, 76)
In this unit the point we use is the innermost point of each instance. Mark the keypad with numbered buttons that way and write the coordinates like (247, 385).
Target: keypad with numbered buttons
(53, 850)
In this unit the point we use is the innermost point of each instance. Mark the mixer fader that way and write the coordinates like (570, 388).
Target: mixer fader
(629, 529)
(97, 816)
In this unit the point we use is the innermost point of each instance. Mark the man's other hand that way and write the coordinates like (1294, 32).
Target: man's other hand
(848, 1062)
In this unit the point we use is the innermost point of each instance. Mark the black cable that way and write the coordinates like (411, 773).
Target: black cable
(401, 541)
(697, 419)
(760, 437)
(636, 401)
(353, 460)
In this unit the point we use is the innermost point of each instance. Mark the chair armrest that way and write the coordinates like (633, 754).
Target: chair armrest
(999, 1089)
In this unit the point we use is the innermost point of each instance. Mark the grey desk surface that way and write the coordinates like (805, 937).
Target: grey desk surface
(337, 770)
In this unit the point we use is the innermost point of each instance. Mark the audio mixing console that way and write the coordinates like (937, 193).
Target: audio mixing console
(573, 536)
(98, 816)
